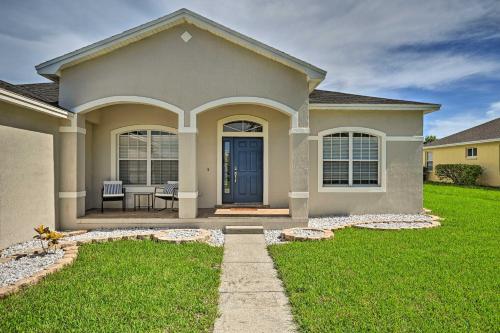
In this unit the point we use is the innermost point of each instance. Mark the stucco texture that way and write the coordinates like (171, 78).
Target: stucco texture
(403, 163)
(27, 172)
(187, 75)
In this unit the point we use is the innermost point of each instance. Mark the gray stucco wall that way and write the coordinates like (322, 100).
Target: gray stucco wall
(28, 172)
(187, 75)
(404, 172)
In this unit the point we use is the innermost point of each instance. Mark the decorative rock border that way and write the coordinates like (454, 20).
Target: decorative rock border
(70, 254)
(182, 235)
(433, 223)
(70, 248)
(306, 234)
(422, 221)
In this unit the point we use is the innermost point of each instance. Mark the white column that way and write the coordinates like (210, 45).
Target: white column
(188, 179)
(299, 175)
(71, 172)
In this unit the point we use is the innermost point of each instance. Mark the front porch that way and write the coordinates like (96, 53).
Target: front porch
(237, 154)
(208, 218)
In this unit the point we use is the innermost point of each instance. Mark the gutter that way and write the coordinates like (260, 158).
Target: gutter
(427, 108)
(463, 143)
(32, 104)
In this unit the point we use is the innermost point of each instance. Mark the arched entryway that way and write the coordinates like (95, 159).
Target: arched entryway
(242, 160)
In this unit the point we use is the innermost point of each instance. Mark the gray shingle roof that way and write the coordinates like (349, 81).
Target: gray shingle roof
(43, 92)
(49, 93)
(334, 97)
(487, 131)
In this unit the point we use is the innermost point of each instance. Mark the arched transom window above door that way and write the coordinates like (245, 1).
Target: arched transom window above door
(242, 126)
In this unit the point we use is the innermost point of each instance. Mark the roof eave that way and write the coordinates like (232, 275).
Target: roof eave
(51, 68)
(32, 104)
(463, 143)
(426, 108)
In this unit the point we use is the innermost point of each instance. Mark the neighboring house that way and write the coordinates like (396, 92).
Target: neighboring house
(477, 145)
(233, 120)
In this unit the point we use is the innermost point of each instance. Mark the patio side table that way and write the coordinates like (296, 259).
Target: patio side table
(137, 200)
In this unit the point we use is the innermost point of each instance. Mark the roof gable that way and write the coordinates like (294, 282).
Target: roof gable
(51, 69)
(487, 131)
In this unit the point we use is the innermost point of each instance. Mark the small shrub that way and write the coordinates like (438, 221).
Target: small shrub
(52, 237)
(461, 174)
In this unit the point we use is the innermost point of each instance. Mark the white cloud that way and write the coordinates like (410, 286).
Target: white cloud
(446, 126)
(494, 110)
(363, 45)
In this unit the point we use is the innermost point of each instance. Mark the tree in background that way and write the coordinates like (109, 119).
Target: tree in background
(429, 138)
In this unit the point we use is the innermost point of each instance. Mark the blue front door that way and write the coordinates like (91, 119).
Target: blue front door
(242, 170)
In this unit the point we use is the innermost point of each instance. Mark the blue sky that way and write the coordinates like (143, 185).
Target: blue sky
(442, 51)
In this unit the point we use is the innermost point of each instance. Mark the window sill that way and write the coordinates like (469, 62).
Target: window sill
(353, 189)
(472, 158)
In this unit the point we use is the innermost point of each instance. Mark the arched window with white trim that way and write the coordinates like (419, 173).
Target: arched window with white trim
(147, 157)
(243, 126)
(350, 158)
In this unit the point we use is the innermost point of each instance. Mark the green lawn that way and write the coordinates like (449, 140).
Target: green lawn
(124, 286)
(445, 279)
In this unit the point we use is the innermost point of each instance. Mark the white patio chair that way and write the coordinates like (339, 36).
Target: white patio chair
(112, 190)
(167, 192)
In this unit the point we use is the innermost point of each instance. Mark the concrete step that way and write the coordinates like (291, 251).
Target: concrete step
(243, 229)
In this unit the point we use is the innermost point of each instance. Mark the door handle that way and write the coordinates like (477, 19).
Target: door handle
(235, 175)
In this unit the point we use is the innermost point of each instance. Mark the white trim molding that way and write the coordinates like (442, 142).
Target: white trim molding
(298, 195)
(426, 108)
(54, 66)
(244, 100)
(382, 161)
(265, 138)
(465, 143)
(70, 129)
(188, 130)
(114, 147)
(72, 195)
(187, 195)
(416, 138)
(32, 104)
(112, 100)
(298, 130)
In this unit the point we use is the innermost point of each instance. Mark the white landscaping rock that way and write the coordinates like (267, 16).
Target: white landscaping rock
(395, 225)
(338, 222)
(15, 270)
(273, 237)
(373, 221)
(216, 237)
(107, 233)
(22, 247)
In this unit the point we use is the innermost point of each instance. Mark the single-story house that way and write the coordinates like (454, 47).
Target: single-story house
(478, 145)
(234, 121)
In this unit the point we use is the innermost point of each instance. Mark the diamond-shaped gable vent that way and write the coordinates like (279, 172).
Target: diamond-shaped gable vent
(186, 36)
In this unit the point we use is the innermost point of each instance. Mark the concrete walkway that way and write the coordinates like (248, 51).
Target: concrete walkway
(252, 298)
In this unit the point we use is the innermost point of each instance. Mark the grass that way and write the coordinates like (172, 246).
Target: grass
(445, 279)
(124, 286)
